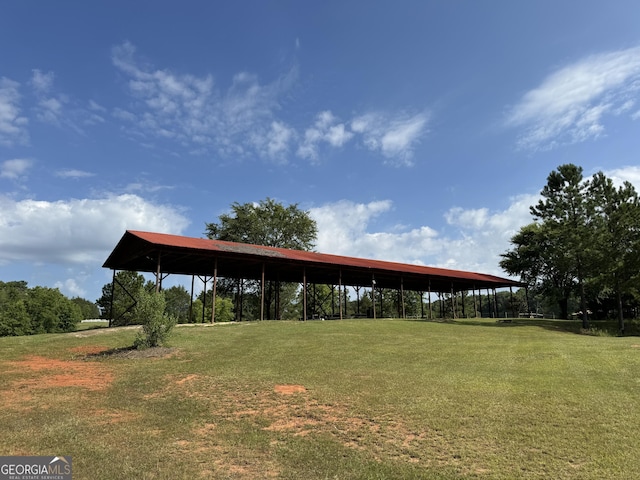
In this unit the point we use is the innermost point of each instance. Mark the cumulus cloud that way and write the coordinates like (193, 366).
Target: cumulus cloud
(326, 129)
(572, 104)
(476, 239)
(629, 174)
(13, 126)
(15, 169)
(81, 231)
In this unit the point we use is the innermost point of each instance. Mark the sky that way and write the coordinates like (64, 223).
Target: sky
(411, 131)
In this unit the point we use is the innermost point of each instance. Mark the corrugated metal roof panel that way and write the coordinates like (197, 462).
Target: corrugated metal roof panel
(139, 251)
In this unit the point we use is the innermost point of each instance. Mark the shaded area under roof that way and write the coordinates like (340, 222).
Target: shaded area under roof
(172, 254)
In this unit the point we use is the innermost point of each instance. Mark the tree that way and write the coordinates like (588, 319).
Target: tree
(566, 212)
(127, 285)
(557, 251)
(150, 312)
(14, 318)
(617, 222)
(89, 309)
(178, 301)
(267, 223)
(541, 264)
(50, 311)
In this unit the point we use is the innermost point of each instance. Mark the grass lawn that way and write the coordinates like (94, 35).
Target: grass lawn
(352, 399)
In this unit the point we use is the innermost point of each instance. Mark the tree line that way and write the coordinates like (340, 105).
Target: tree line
(27, 311)
(582, 247)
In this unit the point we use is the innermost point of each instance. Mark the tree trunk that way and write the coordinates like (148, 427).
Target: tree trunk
(620, 312)
(583, 306)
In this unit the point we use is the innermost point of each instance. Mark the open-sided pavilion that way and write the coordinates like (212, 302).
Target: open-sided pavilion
(163, 254)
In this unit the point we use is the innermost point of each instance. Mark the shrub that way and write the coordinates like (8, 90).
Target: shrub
(156, 323)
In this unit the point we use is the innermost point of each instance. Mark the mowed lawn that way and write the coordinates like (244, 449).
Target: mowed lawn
(352, 399)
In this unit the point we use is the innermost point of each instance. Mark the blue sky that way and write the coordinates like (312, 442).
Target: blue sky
(412, 131)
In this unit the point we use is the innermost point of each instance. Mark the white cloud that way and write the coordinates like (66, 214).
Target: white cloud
(72, 173)
(479, 236)
(81, 231)
(247, 118)
(189, 109)
(15, 169)
(42, 82)
(12, 123)
(71, 288)
(393, 136)
(325, 129)
(572, 103)
(629, 174)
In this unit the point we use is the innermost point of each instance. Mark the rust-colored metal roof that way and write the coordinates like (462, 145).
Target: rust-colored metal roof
(140, 251)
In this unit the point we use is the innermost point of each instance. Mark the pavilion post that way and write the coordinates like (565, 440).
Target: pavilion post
(513, 305)
(462, 300)
(158, 274)
(421, 304)
(404, 312)
(333, 300)
(453, 304)
(262, 294)
(495, 301)
(340, 293)
(475, 303)
(480, 299)
(204, 296)
(430, 310)
(214, 293)
(193, 279)
(304, 294)
(113, 287)
(373, 295)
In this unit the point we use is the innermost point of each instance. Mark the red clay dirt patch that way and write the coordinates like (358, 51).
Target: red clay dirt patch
(51, 373)
(88, 349)
(289, 389)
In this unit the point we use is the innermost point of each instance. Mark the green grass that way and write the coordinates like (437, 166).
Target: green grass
(384, 399)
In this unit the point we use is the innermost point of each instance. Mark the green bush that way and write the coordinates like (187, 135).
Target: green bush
(150, 312)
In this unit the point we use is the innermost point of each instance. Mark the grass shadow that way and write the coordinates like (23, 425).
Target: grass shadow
(605, 328)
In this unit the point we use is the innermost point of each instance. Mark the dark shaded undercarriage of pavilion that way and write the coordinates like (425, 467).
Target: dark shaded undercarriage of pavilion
(163, 254)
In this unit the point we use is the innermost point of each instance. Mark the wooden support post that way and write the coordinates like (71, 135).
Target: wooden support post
(262, 294)
(304, 294)
(430, 310)
(453, 305)
(158, 274)
(339, 292)
(214, 293)
(113, 288)
(404, 311)
(475, 303)
(373, 295)
(204, 297)
(193, 279)
(513, 312)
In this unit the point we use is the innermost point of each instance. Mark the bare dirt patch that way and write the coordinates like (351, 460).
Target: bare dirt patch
(46, 372)
(289, 389)
(88, 349)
